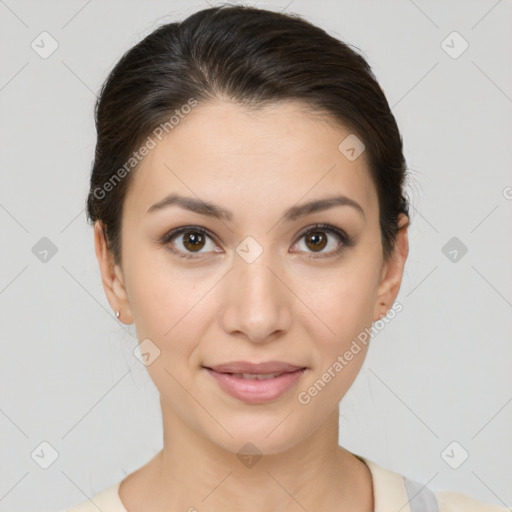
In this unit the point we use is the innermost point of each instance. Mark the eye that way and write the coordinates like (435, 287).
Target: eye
(318, 237)
(188, 241)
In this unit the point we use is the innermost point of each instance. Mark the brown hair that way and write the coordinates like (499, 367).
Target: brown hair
(253, 57)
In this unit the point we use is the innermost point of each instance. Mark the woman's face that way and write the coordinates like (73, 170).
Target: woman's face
(254, 286)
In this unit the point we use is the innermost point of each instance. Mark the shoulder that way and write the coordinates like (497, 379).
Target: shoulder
(107, 500)
(451, 501)
(391, 490)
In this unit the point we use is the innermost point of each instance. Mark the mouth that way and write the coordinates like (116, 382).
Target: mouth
(254, 384)
(246, 368)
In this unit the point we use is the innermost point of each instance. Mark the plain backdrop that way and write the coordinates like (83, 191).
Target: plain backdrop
(436, 386)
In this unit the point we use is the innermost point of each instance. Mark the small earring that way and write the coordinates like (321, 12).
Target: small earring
(118, 314)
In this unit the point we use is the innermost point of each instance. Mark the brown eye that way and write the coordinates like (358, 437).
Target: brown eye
(189, 242)
(316, 240)
(193, 241)
(320, 236)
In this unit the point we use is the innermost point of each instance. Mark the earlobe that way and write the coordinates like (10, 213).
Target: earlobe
(111, 275)
(392, 273)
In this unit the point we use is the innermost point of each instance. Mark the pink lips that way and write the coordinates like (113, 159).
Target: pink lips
(256, 391)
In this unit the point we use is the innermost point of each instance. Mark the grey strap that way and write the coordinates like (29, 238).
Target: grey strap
(421, 498)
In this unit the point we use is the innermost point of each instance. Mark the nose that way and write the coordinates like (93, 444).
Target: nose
(257, 302)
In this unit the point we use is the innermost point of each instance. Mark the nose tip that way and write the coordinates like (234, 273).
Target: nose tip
(256, 305)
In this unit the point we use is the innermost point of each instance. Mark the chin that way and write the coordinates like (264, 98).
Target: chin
(257, 441)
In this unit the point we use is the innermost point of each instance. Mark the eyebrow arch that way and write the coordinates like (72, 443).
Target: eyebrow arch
(291, 214)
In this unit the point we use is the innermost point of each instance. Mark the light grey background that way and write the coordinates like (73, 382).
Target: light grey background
(438, 373)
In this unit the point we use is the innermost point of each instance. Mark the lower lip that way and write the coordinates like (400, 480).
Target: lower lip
(256, 391)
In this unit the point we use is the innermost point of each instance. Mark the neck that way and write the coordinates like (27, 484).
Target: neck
(193, 473)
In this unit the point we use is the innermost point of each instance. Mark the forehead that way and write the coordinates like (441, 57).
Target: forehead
(275, 154)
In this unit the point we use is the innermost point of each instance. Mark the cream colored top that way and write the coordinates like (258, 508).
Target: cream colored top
(392, 492)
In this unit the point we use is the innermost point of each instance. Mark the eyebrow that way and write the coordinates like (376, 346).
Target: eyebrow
(291, 214)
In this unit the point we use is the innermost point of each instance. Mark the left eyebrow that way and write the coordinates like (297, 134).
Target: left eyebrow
(320, 205)
(291, 214)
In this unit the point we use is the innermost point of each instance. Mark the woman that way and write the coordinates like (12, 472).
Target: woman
(249, 217)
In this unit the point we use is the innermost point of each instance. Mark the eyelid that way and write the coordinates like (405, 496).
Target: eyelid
(322, 226)
(345, 239)
(173, 233)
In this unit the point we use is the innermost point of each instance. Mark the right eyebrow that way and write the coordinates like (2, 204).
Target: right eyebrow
(291, 214)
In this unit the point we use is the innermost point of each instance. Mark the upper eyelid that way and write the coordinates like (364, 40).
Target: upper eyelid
(339, 232)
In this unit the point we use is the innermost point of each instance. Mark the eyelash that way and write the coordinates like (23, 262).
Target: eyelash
(346, 241)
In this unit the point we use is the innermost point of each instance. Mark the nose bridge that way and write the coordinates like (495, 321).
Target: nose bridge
(257, 305)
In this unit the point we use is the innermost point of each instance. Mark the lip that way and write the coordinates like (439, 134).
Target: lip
(254, 391)
(255, 368)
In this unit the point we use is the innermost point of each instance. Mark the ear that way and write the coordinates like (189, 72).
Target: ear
(111, 276)
(392, 271)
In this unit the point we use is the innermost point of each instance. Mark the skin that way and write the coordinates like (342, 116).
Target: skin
(291, 304)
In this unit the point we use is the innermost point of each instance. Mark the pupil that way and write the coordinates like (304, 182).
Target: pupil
(318, 239)
(194, 240)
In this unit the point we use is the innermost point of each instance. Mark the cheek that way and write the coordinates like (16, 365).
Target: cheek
(340, 325)
(341, 305)
(164, 303)
(153, 284)
(167, 309)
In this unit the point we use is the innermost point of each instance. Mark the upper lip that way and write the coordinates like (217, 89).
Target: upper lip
(259, 368)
